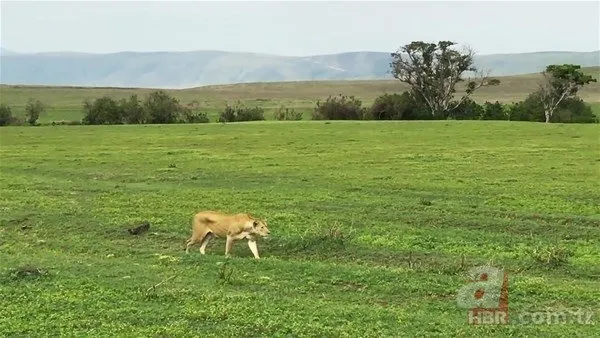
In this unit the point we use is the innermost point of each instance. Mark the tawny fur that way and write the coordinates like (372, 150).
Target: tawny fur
(209, 224)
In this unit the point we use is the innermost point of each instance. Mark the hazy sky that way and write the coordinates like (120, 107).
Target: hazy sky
(297, 28)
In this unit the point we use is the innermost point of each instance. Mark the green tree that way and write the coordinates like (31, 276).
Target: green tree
(162, 108)
(33, 110)
(434, 70)
(560, 82)
(494, 111)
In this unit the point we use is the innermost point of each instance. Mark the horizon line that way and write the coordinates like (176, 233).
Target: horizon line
(11, 51)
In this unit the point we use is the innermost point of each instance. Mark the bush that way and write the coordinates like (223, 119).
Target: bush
(398, 107)
(574, 110)
(467, 110)
(339, 108)
(191, 113)
(571, 110)
(390, 107)
(287, 115)
(161, 108)
(251, 114)
(227, 115)
(6, 117)
(33, 110)
(133, 111)
(530, 109)
(158, 107)
(104, 110)
(494, 111)
(240, 113)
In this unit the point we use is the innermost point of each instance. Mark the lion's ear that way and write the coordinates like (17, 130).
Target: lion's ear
(255, 223)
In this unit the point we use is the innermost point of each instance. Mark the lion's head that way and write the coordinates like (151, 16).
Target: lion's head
(260, 228)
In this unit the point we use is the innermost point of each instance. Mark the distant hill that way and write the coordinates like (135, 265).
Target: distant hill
(4, 51)
(199, 68)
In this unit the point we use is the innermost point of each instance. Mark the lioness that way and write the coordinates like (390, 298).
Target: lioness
(207, 224)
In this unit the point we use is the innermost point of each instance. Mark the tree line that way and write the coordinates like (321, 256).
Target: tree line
(406, 107)
(432, 72)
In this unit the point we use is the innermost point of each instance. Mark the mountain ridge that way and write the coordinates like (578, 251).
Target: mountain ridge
(188, 69)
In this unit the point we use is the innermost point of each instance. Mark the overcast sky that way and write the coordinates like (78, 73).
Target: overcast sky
(297, 28)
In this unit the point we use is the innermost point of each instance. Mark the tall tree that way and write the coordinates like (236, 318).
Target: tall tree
(434, 70)
(560, 82)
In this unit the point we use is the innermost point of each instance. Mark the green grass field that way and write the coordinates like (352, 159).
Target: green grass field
(65, 103)
(373, 224)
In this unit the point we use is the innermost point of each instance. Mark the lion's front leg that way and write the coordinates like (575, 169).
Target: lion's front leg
(228, 245)
(253, 248)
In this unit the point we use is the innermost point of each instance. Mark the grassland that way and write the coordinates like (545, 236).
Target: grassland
(65, 103)
(373, 226)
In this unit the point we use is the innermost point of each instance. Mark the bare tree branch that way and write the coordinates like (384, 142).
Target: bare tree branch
(483, 81)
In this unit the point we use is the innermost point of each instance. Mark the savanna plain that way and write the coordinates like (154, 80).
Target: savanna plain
(373, 226)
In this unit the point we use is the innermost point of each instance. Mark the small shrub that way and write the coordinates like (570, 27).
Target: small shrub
(339, 108)
(191, 113)
(6, 116)
(284, 114)
(224, 273)
(240, 113)
(250, 114)
(197, 117)
(17, 121)
(391, 107)
(33, 110)
(227, 115)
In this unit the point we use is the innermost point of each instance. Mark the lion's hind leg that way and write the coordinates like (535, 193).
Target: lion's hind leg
(197, 236)
(202, 238)
(189, 243)
(209, 235)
